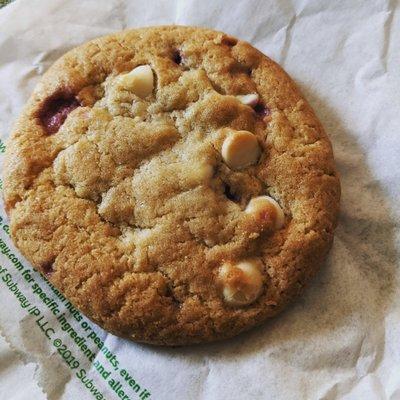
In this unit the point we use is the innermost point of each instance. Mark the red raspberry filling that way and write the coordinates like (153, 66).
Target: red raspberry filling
(47, 268)
(177, 57)
(55, 111)
(261, 110)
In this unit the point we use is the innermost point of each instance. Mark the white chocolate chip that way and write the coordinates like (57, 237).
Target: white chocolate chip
(265, 206)
(240, 149)
(139, 81)
(242, 282)
(248, 99)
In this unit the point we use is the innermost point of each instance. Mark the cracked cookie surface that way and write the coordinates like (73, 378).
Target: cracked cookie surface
(173, 183)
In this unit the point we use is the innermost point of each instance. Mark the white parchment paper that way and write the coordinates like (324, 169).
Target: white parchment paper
(341, 339)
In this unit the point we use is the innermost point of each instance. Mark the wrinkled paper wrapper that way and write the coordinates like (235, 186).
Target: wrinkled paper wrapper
(341, 339)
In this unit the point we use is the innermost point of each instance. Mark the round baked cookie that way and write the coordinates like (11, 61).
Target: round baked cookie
(172, 183)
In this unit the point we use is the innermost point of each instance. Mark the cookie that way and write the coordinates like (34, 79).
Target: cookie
(172, 183)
